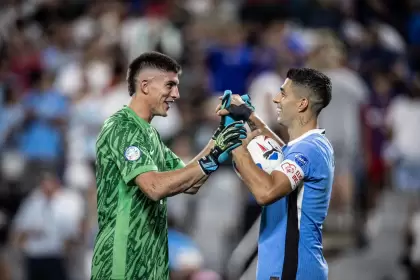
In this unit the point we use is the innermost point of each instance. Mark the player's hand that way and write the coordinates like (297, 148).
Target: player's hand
(240, 108)
(228, 139)
(224, 120)
(251, 135)
(218, 131)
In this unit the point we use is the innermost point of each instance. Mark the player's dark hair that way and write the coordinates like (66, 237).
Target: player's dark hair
(318, 84)
(154, 60)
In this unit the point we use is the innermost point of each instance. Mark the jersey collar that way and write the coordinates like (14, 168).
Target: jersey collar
(306, 134)
(134, 116)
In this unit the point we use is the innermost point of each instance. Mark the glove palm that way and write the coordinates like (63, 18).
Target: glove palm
(226, 141)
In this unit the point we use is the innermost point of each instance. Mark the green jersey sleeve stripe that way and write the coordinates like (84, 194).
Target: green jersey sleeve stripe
(121, 232)
(138, 171)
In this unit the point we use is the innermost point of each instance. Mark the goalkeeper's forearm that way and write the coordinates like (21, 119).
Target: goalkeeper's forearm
(255, 122)
(194, 189)
(204, 152)
(158, 185)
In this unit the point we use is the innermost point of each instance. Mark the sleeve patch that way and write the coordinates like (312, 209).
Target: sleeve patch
(293, 171)
(301, 160)
(132, 153)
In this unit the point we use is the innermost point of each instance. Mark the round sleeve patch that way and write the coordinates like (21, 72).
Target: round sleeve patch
(132, 153)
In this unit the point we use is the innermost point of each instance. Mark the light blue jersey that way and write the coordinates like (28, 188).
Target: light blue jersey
(290, 241)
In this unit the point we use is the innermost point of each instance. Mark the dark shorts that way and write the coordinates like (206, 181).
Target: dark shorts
(45, 268)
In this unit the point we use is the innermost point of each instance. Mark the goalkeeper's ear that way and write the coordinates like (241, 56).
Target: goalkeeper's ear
(144, 87)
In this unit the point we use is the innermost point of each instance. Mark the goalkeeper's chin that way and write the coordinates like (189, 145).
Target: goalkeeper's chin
(162, 113)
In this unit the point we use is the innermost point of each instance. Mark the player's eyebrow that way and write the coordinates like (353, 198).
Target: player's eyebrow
(282, 90)
(175, 83)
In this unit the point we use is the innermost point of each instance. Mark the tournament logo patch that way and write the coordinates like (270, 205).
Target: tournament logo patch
(301, 160)
(132, 153)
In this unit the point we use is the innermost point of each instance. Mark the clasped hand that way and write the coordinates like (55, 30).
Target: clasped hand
(238, 108)
(234, 111)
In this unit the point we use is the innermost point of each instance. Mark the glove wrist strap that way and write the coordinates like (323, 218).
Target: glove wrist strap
(245, 112)
(209, 163)
(241, 112)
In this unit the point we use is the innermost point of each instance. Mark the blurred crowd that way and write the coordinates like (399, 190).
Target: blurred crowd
(62, 73)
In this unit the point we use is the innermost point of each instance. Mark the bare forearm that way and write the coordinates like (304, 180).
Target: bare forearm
(266, 188)
(204, 152)
(158, 185)
(194, 189)
(255, 122)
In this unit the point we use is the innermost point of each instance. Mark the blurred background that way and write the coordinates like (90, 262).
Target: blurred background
(62, 73)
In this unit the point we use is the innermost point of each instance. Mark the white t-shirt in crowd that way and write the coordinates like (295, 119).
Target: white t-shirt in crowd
(56, 220)
(262, 91)
(69, 78)
(341, 118)
(114, 100)
(403, 119)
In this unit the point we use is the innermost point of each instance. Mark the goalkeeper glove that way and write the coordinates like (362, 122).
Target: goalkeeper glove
(228, 139)
(241, 112)
(223, 120)
(226, 104)
(247, 99)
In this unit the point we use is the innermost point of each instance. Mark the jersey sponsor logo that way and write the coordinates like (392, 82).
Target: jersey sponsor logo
(288, 167)
(132, 153)
(301, 160)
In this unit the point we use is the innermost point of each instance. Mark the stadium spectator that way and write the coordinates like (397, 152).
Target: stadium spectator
(341, 121)
(230, 62)
(42, 138)
(47, 222)
(402, 121)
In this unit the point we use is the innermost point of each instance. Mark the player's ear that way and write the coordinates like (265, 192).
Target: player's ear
(303, 104)
(144, 86)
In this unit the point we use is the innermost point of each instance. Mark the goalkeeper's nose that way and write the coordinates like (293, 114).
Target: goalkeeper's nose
(175, 93)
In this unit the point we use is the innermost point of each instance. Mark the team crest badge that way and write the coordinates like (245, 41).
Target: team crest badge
(132, 153)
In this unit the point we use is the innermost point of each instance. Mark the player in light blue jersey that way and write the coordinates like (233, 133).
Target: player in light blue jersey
(296, 195)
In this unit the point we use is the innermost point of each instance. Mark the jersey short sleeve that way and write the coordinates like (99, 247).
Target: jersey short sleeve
(172, 161)
(297, 163)
(131, 147)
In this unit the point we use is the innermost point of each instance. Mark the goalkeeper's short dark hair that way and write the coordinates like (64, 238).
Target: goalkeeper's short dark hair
(318, 84)
(154, 60)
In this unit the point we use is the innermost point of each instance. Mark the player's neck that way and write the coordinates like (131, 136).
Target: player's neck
(301, 126)
(141, 110)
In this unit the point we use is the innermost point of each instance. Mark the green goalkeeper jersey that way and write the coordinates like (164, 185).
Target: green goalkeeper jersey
(132, 242)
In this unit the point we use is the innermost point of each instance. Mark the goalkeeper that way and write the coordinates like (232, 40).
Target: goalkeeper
(136, 172)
